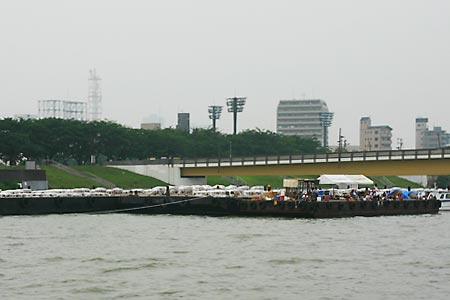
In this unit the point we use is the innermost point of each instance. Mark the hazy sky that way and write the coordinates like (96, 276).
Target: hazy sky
(388, 59)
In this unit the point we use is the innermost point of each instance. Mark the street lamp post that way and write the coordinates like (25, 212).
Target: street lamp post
(235, 105)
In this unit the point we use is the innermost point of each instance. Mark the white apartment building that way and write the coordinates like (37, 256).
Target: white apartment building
(301, 118)
(430, 139)
(374, 138)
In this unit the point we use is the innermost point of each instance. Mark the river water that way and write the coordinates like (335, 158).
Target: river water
(172, 257)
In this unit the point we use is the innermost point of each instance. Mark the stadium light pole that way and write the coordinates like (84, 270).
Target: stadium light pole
(215, 112)
(325, 121)
(235, 105)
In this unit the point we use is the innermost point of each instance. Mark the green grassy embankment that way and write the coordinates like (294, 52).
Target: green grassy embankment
(121, 178)
(128, 180)
(394, 181)
(124, 179)
(58, 179)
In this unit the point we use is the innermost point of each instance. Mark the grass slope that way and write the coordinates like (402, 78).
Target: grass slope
(121, 178)
(129, 180)
(58, 179)
(213, 180)
(394, 181)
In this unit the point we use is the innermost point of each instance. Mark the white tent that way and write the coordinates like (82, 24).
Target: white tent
(343, 181)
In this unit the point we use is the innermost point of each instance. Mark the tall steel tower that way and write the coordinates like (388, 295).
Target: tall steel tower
(214, 114)
(94, 97)
(235, 106)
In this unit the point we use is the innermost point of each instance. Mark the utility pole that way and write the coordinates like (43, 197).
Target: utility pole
(399, 143)
(342, 143)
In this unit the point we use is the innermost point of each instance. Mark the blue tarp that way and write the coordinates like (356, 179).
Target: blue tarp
(407, 195)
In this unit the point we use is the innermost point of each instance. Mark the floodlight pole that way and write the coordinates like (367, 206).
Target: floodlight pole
(234, 120)
(214, 114)
(235, 106)
(325, 121)
(325, 136)
(214, 124)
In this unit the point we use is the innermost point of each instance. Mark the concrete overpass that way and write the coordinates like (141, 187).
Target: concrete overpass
(370, 163)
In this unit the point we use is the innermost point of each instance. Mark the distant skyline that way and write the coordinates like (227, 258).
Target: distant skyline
(389, 60)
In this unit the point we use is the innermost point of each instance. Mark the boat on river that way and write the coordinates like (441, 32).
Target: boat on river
(300, 199)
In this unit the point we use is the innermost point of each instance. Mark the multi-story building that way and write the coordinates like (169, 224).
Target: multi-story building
(151, 126)
(302, 118)
(430, 139)
(183, 122)
(373, 138)
(61, 109)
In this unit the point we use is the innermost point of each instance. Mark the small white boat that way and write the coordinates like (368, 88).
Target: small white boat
(445, 205)
(444, 197)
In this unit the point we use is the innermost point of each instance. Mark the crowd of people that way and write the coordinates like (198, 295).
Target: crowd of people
(364, 194)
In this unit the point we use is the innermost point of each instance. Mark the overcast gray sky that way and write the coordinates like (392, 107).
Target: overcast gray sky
(388, 59)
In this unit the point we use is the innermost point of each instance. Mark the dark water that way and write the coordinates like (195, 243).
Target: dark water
(171, 257)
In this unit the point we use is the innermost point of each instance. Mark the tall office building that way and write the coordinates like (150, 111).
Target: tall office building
(374, 138)
(421, 129)
(430, 139)
(61, 109)
(302, 118)
(183, 122)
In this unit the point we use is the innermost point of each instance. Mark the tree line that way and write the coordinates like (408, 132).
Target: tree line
(64, 140)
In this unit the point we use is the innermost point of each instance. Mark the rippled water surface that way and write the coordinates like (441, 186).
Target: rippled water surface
(171, 257)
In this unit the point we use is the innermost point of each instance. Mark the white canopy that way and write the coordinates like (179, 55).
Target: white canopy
(345, 180)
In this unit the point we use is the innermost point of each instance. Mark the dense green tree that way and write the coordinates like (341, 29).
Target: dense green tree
(443, 182)
(64, 140)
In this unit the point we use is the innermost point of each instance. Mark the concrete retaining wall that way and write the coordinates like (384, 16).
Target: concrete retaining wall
(166, 173)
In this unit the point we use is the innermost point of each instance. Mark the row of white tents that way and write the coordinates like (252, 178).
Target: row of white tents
(345, 181)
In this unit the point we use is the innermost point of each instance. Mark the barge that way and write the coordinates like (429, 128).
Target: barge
(214, 206)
